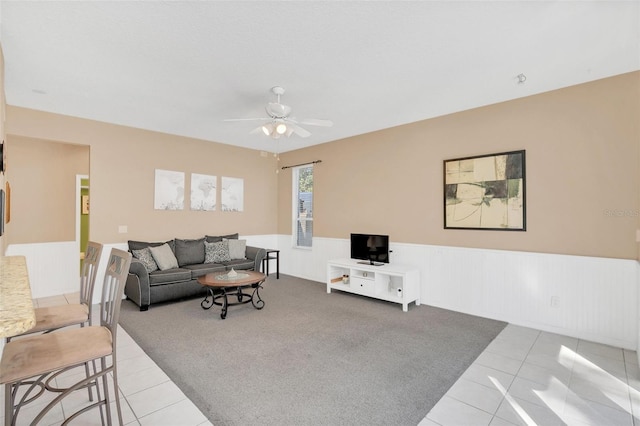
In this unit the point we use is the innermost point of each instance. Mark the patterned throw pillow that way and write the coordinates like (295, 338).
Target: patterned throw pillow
(144, 256)
(216, 252)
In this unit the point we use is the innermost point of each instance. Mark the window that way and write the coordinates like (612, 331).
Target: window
(303, 205)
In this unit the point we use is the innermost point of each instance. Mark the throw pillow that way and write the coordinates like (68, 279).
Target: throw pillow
(189, 252)
(144, 255)
(237, 249)
(216, 252)
(164, 257)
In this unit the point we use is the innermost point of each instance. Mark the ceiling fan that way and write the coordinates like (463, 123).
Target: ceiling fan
(278, 123)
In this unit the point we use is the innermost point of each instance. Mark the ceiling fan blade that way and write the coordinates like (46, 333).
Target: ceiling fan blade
(317, 122)
(303, 133)
(257, 130)
(246, 119)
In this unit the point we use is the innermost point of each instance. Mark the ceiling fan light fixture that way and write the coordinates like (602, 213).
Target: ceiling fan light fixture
(267, 129)
(281, 128)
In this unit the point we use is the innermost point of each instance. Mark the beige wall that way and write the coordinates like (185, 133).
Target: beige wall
(122, 173)
(43, 189)
(582, 155)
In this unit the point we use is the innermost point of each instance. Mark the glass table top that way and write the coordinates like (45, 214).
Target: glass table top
(226, 277)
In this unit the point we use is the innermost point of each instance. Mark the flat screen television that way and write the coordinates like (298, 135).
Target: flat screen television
(371, 249)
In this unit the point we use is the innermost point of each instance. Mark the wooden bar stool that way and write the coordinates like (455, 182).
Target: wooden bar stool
(36, 358)
(52, 318)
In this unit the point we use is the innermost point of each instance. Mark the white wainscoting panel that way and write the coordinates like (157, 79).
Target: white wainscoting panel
(589, 298)
(585, 297)
(310, 263)
(263, 241)
(54, 268)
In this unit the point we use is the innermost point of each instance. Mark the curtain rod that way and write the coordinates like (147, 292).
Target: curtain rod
(302, 164)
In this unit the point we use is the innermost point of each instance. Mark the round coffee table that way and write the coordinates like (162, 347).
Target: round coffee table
(220, 285)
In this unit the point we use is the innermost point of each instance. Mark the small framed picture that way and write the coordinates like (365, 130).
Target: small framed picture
(1, 212)
(8, 202)
(85, 204)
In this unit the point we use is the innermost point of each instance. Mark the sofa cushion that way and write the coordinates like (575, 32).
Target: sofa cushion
(169, 276)
(189, 252)
(204, 269)
(164, 257)
(146, 258)
(239, 264)
(138, 245)
(217, 252)
(216, 239)
(237, 249)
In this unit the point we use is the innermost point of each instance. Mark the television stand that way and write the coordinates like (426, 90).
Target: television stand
(364, 262)
(393, 283)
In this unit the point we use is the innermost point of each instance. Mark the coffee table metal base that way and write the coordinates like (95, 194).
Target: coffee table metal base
(242, 298)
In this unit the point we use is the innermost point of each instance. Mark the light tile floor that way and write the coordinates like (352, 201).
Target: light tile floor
(531, 377)
(147, 395)
(524, 377)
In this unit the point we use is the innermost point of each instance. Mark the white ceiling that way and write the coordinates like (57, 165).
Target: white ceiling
(181, 67)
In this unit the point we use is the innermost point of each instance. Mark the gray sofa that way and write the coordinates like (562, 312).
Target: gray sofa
(158, 274)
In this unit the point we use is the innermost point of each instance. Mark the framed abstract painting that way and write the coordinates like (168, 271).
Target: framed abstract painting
(486, 192)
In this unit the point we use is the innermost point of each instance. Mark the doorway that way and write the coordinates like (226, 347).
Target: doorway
(82, 214)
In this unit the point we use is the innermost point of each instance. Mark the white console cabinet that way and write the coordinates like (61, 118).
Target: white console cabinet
(391, 282)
